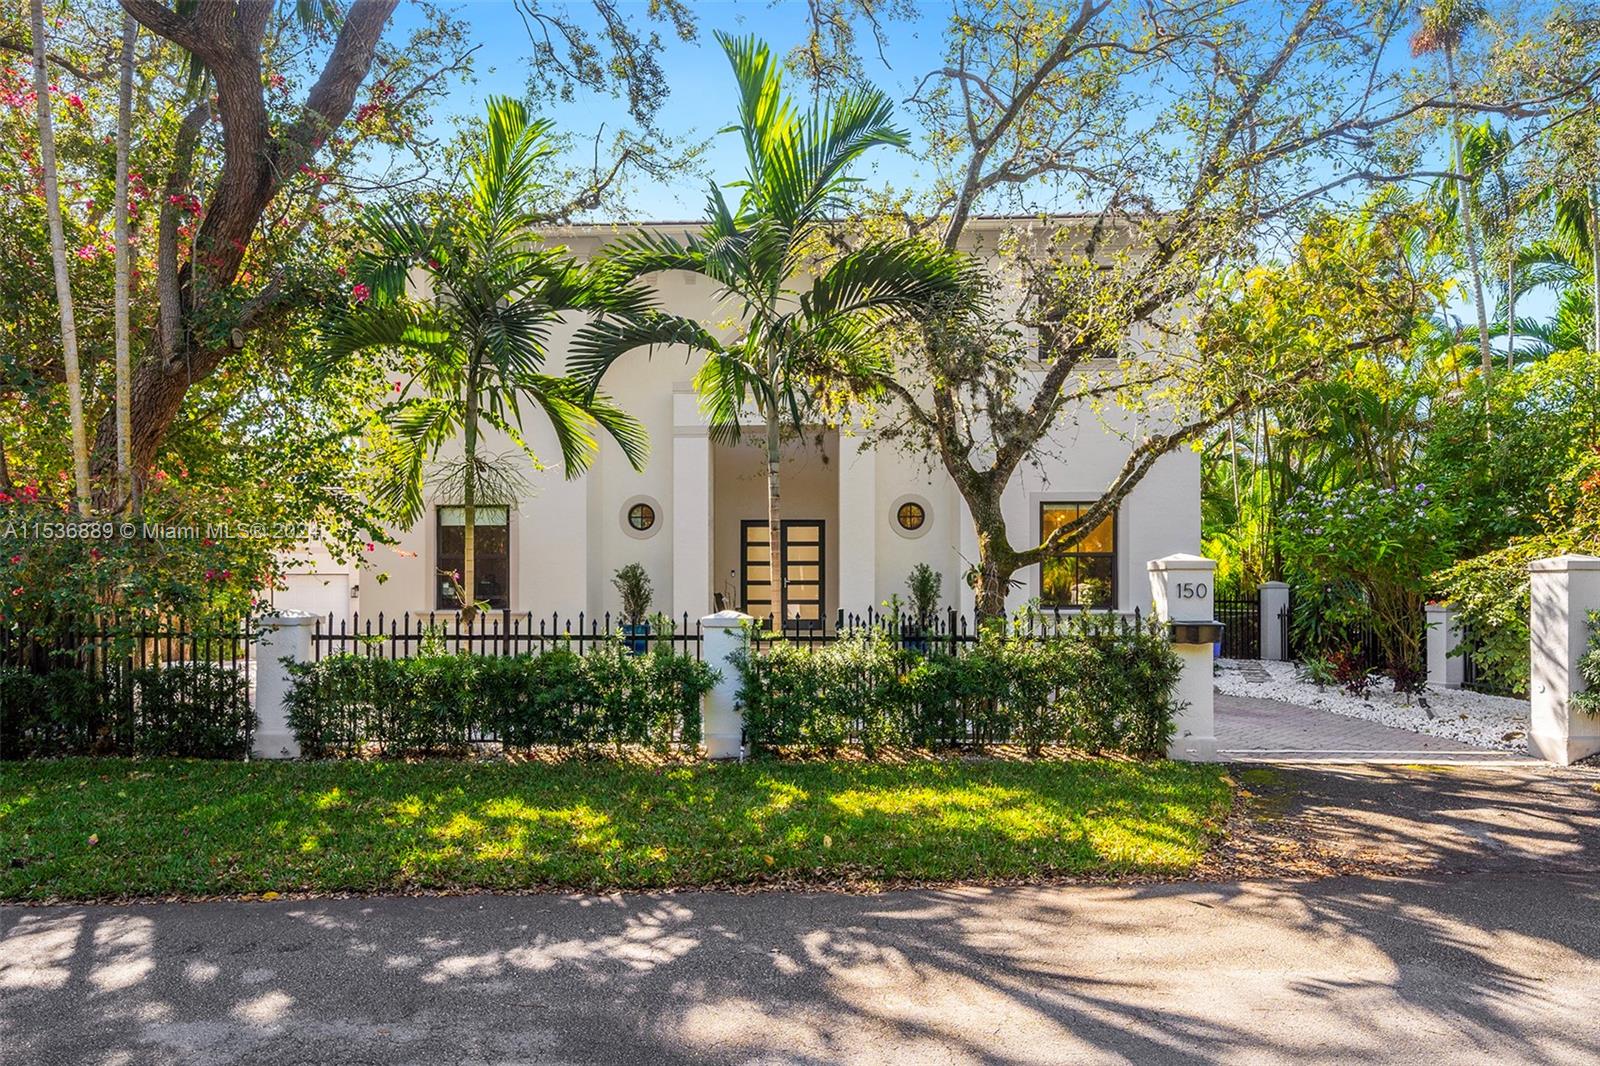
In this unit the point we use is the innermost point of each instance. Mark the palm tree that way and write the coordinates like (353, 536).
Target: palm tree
(476, 349)
(1444, 25)
(801, 320)
(58, 257)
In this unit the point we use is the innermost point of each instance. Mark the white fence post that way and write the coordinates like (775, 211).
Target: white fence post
(721, 723)
(1445, 668)
(1184, 590)
(1562, 591)
(1274, 599)
(284, 635)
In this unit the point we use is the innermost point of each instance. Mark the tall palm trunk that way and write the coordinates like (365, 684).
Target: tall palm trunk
(58, 256)
(469, 506)
(775, 520)
(125, 481)
(1468, 233)
(1511, 307)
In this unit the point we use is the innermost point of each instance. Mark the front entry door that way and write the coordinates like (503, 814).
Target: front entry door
(804, 571)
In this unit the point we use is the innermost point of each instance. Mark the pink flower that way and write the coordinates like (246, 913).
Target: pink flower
(371, 547)
(17, 591)
(397, 386)
(74, 100)
(360, 293)
(210, 574)
(15, 559)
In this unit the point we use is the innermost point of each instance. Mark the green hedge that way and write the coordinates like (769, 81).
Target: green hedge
(350, 704)
(1100, 688)
(199, 710)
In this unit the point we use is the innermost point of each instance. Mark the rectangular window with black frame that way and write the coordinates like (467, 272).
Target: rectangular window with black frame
(1085, 575)
(491, 556)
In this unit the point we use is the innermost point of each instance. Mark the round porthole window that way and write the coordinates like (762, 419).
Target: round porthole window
(910, 516)
(641, 517)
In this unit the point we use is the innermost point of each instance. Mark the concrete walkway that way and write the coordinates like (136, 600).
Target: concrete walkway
(1255, 730)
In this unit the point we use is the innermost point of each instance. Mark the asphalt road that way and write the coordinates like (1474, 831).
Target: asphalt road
(1493, 966)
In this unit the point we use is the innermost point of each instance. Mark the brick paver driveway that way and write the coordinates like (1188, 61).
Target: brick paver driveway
(1254, 730)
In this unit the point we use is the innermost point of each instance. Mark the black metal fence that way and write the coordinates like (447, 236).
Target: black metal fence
(948, 631)
(114, 684)
(1241, 625)
(496, 633)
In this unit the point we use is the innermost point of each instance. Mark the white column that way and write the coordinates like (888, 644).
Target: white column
(690, 510)
(1445, 669)
(1274, 596)
(284, 635)
(858, 526)
(721, 723)
(1182, 587)
(1563, 591)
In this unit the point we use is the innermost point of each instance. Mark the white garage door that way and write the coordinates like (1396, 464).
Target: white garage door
(321, 594)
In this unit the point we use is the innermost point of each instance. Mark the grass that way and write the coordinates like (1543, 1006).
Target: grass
(84, 829)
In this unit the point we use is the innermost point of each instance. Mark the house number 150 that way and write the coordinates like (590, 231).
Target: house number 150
(1193, 590)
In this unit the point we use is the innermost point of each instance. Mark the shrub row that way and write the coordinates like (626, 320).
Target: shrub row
(1099, 690)
(350, 704)
(199, 710)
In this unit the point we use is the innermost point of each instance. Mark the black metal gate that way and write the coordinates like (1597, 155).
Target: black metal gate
(1241, 625)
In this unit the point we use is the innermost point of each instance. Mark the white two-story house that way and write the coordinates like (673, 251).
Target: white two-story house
(858, 516)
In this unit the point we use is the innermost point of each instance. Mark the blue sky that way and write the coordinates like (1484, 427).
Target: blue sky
(701, 99)
(700, 102)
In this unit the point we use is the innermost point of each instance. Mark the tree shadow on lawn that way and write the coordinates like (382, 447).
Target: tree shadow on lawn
(1487, 966)
(377, 827)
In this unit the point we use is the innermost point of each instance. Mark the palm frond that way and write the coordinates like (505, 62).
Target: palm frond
(601, 343)
(888, 277)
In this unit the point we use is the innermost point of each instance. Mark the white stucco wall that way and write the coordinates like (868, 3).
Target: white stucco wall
(568, 537)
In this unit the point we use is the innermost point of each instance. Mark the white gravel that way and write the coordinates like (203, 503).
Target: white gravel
(1456, 714)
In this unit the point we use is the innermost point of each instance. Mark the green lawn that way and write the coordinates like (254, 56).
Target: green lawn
(90, 829)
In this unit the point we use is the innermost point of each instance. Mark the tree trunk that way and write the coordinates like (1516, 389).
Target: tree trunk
(1475, 266)
(58, 256)
(775, 520)
(469, 507)
(125, 486)
(1511, 307)
(1594, 260)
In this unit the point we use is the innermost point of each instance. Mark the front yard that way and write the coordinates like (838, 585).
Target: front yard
(81, 829)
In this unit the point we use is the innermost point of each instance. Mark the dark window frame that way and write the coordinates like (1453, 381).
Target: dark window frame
(633, 508)
(899, 516)
(1077, 553)
(444, 595)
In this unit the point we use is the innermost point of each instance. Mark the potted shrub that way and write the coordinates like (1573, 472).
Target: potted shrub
(633, 585)
(922, 587)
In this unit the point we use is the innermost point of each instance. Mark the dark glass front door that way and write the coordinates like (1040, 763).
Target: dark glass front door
(804, 571)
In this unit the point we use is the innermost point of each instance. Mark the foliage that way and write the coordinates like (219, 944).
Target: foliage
(1588, 701)
(1385, 540)
(1351, 673)
(802, 315)
(1100, 687)
(633, 585)
(1318, 669)
(923, 586)
(1491, 590)
(348, 705)
(472, 344)
(181, 709)
(96, 830)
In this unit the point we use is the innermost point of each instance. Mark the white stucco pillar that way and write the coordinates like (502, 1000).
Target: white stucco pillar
(1274, 597)
(858, 526)
(1445, 668)
(1562, 591)
(284, 635)
(690, 510)
(721, 723)
(1182, 587)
